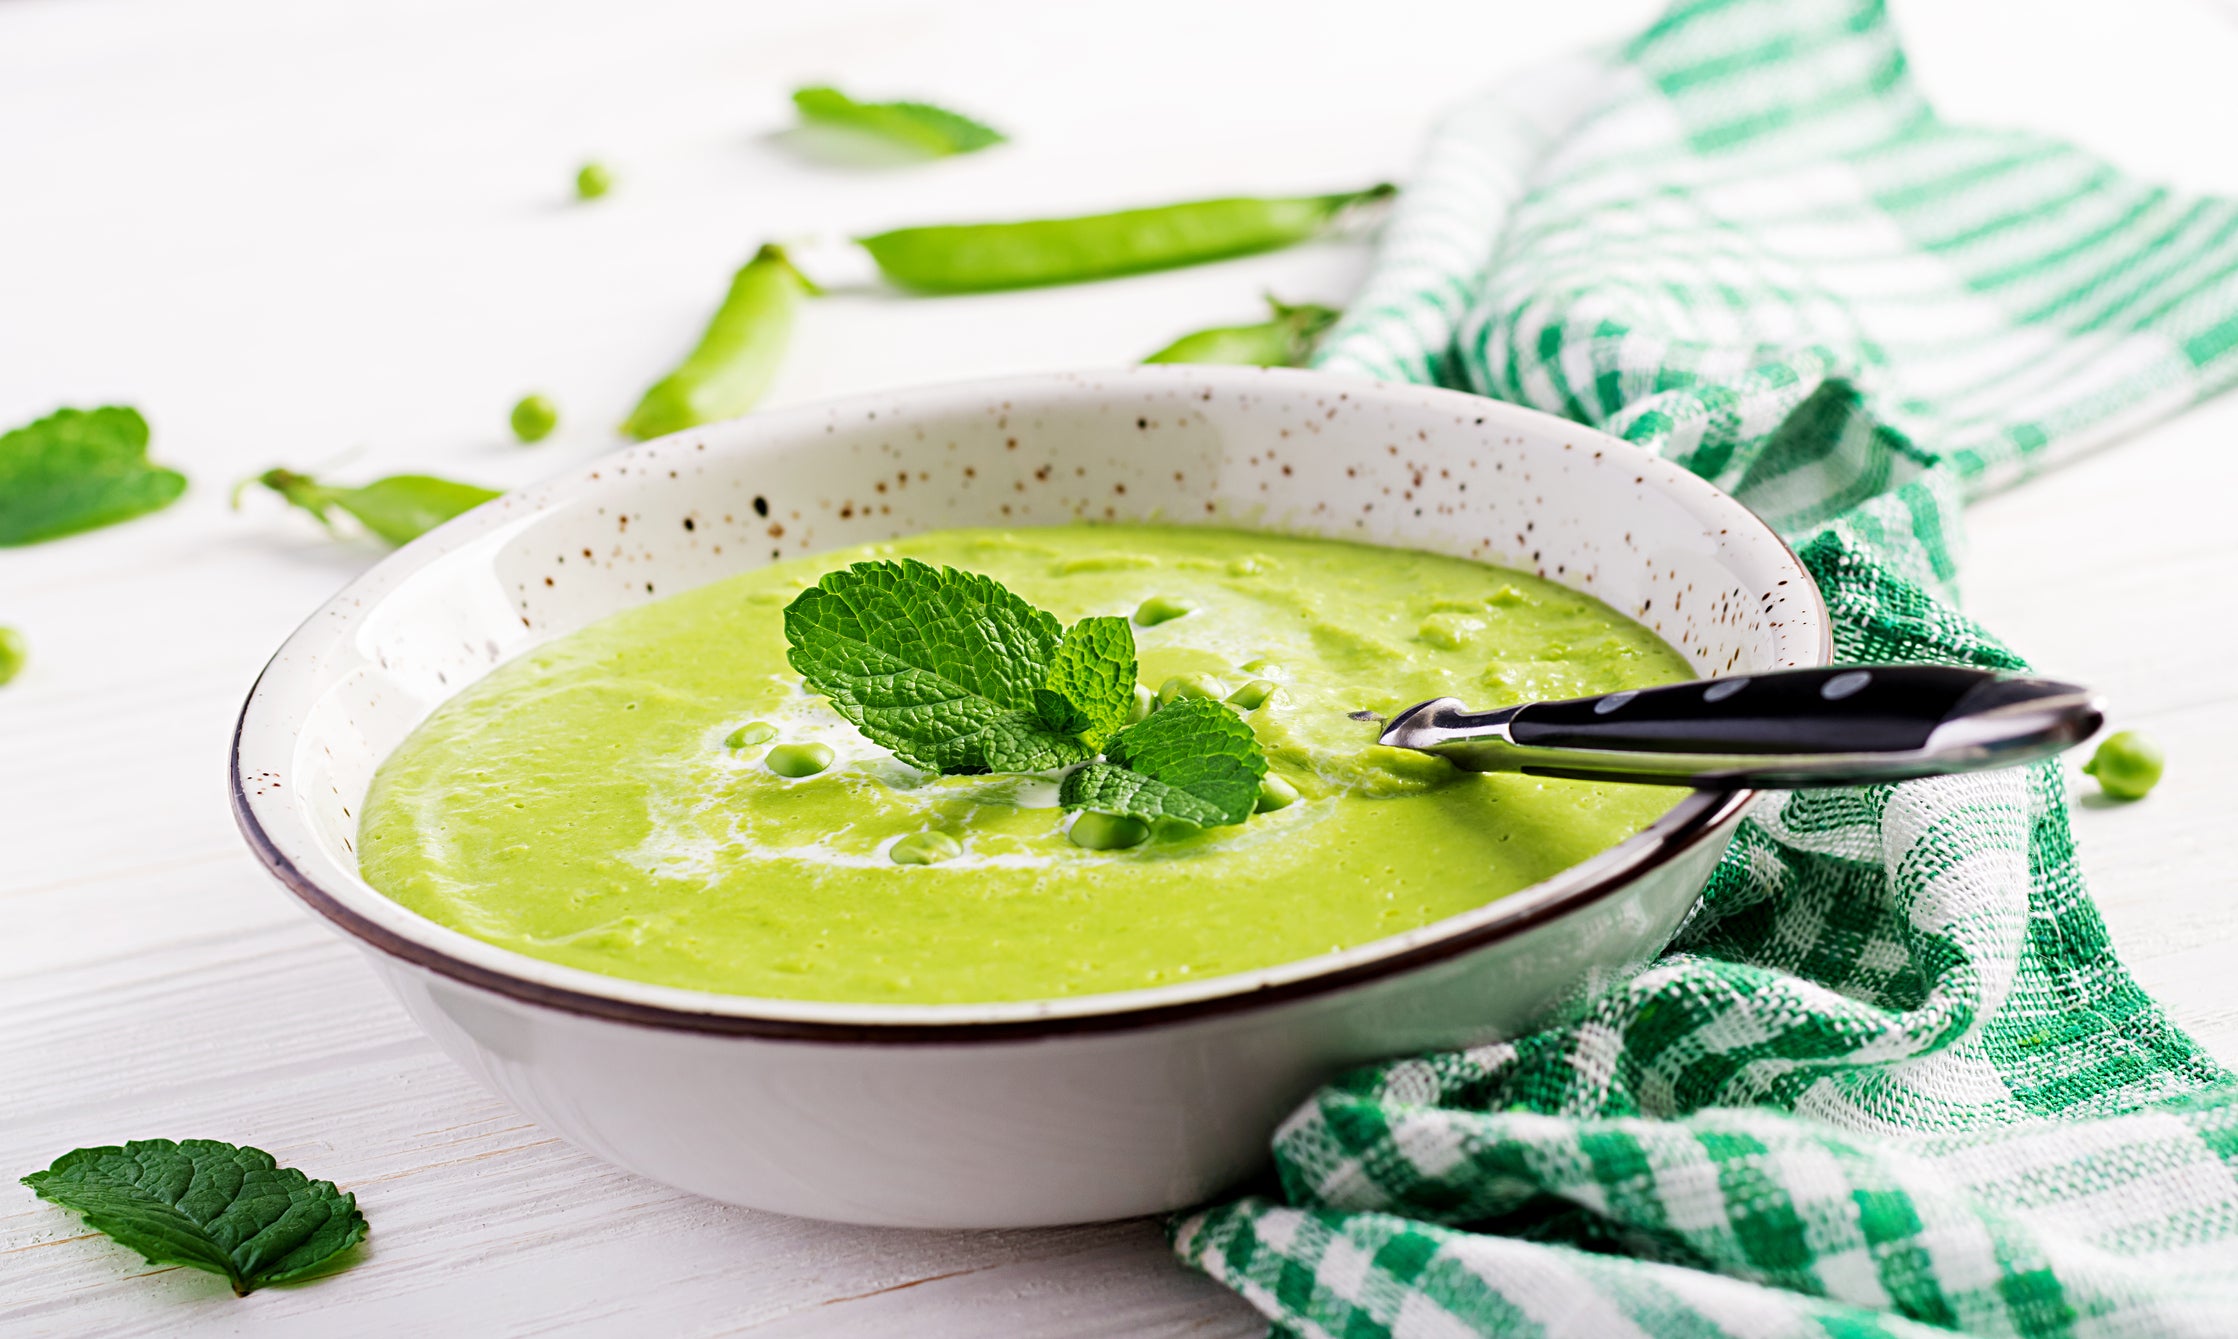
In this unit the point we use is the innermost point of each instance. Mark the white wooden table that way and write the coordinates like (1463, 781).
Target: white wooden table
(290, 231)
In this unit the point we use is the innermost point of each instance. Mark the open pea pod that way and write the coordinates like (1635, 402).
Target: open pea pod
(399, 508)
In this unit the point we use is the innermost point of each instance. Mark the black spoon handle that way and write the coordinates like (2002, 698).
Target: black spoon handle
(1840, 726)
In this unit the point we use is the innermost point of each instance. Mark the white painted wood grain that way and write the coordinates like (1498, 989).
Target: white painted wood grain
(290, 230)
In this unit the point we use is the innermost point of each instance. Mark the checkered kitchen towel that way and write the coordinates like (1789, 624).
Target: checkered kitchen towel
(1890, 1079)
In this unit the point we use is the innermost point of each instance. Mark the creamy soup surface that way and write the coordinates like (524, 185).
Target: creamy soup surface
(580, 803)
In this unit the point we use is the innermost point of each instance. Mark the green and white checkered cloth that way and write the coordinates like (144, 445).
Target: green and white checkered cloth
(1890, 1079)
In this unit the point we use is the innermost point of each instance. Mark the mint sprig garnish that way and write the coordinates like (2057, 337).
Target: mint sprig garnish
(1195, 760)
(942, 667)
(956, 674)
(207, 1205)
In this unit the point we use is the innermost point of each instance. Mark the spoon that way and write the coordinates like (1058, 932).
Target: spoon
(1848, 725)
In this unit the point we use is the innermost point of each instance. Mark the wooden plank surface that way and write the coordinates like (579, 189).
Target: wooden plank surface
(288, 231)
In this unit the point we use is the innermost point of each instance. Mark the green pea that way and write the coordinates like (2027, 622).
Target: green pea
(2127, 765)
(14, 650)
(1162, 609)
(1108, 832)
(1262, 667)
(799, 760)
(399, 508)
(592, 180)
(1254, 694)
(1190, 685)
(737, 355)
(982, 257)
(1145, 703)
(1285, 341)
(925, 848)
(534, 418)
(1275, 793)
(750, 734)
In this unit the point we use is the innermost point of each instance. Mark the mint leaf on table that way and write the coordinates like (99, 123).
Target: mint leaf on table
(76, 470)
(1193, 759)
(207, 1205)
(933, 131)
(942, 667)
(1091, 682)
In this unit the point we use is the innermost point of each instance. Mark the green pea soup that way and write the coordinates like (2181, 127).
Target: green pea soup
(597, 802)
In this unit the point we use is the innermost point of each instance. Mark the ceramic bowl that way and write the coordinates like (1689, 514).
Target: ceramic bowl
(1012, 1114)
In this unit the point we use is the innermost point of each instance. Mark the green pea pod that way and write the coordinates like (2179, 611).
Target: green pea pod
(736, 358)
(932, 131)
(1285, 341)
(399, 509)
(984, 257)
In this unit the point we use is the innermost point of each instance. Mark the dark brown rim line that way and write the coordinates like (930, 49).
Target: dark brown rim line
(1671, 843)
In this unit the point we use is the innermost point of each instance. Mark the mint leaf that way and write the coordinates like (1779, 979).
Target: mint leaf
(79, 469)
(955, 673)
(207, 1205)
(933, 131)
(940, 666)
(1091, 683)
(1117, 790)
(1194, 760)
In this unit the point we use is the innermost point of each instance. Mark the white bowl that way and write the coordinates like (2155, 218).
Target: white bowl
(1012, 1114)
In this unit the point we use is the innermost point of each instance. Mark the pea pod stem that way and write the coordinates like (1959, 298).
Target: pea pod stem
(1285, 341)
(986, 257)
(737, 356)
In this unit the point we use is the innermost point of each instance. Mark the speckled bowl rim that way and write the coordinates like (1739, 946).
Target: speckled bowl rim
(364, 914)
